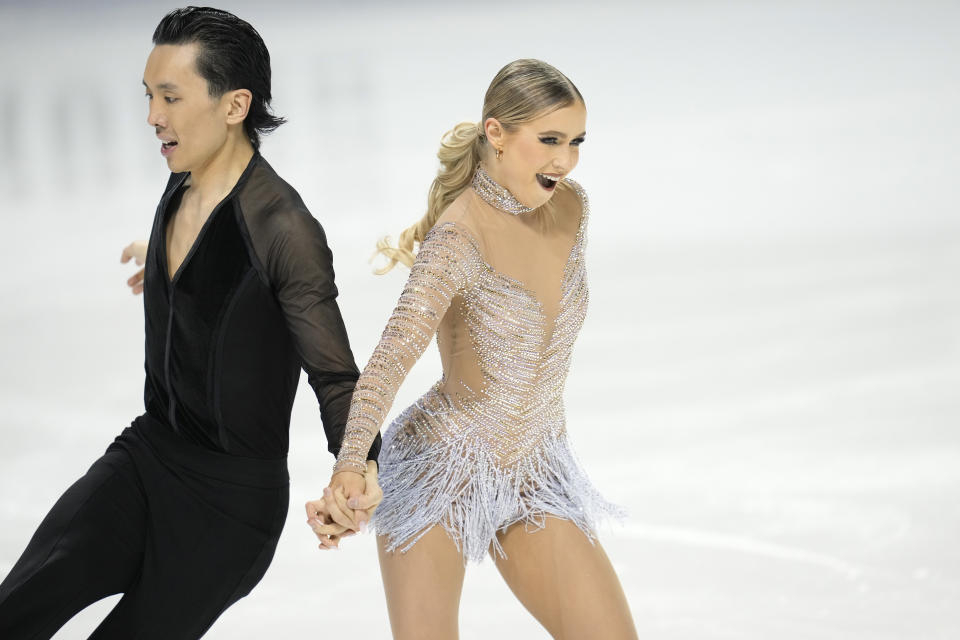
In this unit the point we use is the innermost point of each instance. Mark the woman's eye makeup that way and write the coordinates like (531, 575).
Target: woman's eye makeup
(576, 142)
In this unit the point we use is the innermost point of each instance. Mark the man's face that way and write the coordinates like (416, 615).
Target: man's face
(191, 125)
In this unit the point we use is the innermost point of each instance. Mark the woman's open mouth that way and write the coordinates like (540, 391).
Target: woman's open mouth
(547, 181)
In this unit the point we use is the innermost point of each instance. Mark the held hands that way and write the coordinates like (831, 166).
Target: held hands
(346, 506)
(138, 251)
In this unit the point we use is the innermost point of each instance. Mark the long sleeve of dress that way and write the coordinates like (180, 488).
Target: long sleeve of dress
(446, 264)
(293, 250)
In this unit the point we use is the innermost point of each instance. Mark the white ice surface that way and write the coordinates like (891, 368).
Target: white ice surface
(768, 377)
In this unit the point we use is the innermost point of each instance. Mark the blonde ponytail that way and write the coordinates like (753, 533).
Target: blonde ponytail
(459, 156)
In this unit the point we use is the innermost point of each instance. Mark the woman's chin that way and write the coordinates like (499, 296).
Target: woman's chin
(540, 200)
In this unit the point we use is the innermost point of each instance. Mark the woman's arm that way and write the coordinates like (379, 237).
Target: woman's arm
(445, 265)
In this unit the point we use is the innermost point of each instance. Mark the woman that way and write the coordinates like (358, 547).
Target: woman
(481, 462)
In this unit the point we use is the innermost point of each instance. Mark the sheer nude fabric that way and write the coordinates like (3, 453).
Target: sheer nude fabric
(486, 446)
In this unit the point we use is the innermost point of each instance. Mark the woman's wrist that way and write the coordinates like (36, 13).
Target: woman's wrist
(349, 462)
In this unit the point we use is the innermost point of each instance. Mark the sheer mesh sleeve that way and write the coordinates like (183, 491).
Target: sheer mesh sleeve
(446, 264)
(292, 249)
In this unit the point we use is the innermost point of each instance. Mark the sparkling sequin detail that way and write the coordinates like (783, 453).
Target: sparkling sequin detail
(486, 446)
(497, 195)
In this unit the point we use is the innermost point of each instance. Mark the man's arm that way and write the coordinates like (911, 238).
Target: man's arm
(293, 251)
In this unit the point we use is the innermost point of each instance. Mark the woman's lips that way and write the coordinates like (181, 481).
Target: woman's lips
(548, 182)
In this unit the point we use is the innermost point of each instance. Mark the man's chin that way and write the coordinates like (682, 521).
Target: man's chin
(174, 166)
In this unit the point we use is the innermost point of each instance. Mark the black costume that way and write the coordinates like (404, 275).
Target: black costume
(183, 512)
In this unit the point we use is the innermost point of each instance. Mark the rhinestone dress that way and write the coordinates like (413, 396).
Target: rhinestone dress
(486, 446)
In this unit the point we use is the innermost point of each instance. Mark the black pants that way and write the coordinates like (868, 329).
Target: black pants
(181, 531)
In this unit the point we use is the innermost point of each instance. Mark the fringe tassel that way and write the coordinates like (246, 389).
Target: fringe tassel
(459, 485)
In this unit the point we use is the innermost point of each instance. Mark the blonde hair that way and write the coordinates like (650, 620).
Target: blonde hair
(521, 91)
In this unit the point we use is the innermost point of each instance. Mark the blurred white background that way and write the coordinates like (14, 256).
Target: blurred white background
(768, 377)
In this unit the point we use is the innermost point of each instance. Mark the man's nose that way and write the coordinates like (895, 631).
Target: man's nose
(155, 116)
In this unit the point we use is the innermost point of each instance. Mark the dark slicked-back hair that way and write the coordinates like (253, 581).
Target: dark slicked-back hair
(232, 56)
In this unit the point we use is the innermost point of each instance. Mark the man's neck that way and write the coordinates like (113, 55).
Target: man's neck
(217, 177)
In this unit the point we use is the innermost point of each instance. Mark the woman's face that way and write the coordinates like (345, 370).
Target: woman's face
(538, 153)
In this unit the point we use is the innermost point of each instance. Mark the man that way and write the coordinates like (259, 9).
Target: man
(183, 512)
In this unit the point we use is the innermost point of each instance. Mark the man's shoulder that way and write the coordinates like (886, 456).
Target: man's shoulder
(266, 194)
(270, 203)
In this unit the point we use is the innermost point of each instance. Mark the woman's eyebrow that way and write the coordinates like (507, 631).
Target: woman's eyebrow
(559, 134)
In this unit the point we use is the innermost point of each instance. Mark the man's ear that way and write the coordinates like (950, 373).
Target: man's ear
(238, 105)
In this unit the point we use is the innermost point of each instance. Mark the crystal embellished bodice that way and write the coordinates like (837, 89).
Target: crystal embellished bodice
(505, 293)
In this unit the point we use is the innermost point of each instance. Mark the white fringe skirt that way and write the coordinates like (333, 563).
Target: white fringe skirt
(457, 483)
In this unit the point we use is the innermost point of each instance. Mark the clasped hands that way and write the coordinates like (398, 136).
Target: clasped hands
(346, 507)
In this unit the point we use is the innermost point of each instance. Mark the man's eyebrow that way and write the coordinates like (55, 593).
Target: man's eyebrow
(163, 86)
(559, 134)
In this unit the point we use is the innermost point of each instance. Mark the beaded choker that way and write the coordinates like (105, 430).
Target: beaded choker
(496, 195)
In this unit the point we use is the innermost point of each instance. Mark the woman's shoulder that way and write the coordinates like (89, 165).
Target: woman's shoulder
(571, 196)
(570, 206)
(461, 218)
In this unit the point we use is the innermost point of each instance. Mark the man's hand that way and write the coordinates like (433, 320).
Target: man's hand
(138, 251)
(327, 531)
(346, 507)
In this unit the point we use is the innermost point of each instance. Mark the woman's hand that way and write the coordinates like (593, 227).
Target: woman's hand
(352, 498)
(138, 251)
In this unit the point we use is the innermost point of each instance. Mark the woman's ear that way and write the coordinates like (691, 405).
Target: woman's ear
(493, 130)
